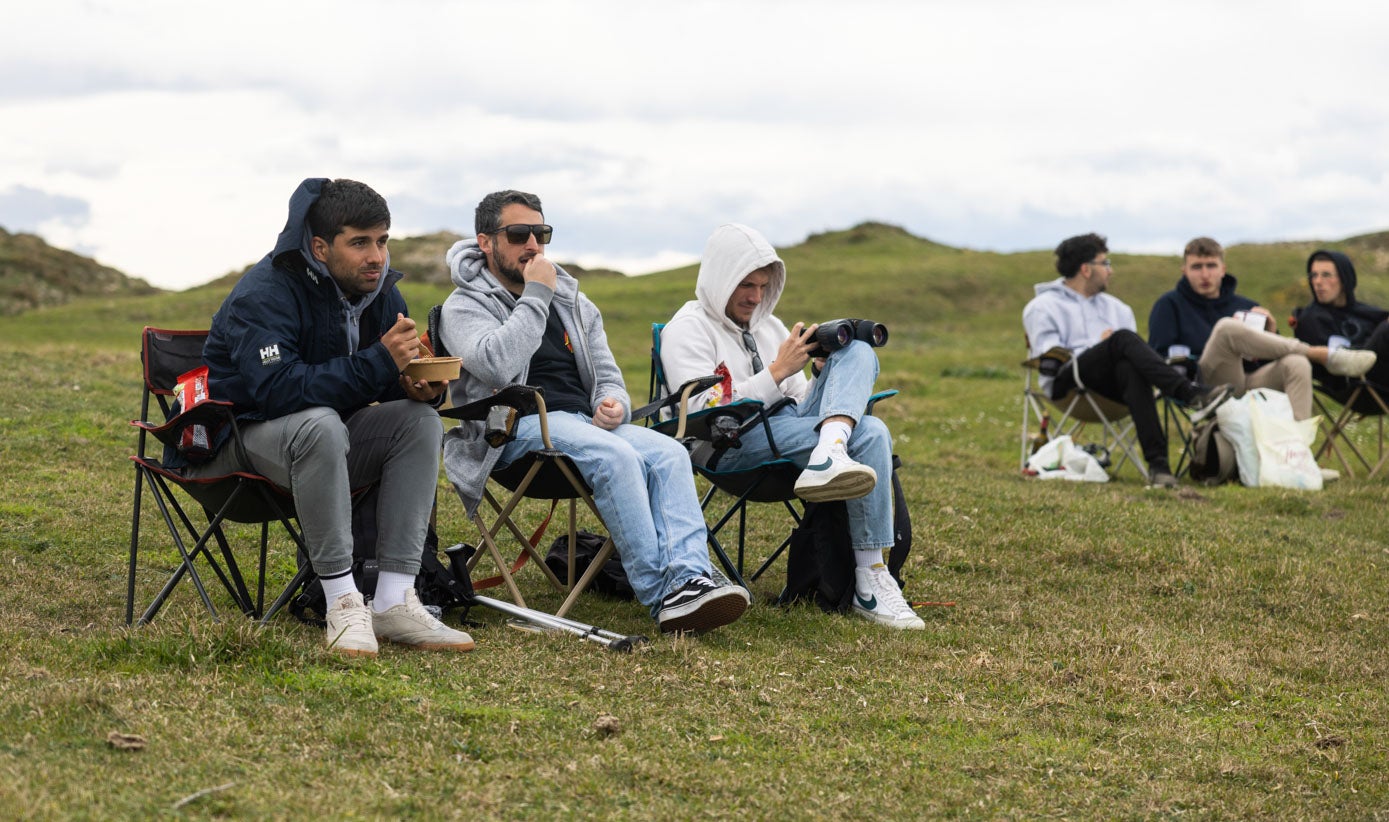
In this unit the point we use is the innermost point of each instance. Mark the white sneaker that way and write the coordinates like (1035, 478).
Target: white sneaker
(349, 626)
(1349, 362)
(410, 624)
(838, 477)
(878, 599)
(1329, 475)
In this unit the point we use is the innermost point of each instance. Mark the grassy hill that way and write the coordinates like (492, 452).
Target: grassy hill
(34, 274)
(1114, 651)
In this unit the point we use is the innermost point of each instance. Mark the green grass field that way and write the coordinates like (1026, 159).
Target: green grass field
(1114, 651)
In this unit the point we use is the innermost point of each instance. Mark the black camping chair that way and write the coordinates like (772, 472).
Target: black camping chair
(708, 434)
(240, 496)
(543, 474)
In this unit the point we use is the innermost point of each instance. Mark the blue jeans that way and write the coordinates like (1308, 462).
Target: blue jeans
(842, 389)
(644, 490)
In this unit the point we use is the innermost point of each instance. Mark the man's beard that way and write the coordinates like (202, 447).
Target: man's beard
(511, 273)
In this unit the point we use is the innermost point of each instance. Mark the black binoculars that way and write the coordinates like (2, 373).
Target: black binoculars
(835, 334)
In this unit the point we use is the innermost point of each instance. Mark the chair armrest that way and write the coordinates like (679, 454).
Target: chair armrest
(680, 396)
(881, 395)
(524, 399)
(1050, 361)
(212, 414)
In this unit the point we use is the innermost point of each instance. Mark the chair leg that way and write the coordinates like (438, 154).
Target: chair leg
(134, 547)
(185, 567)
(604, 554)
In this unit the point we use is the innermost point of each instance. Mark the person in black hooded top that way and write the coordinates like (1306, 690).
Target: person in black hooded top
(1334, 312)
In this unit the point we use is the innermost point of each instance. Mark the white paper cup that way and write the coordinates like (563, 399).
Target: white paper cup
(1336, 341)
(1178, 352)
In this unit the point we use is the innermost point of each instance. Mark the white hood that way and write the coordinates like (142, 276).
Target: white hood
(733, 252)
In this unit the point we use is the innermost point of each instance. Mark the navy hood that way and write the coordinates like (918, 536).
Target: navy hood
(1345, 269)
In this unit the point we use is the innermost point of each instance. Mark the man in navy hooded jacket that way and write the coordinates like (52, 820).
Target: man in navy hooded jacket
(1205, 315)
(309, 347)
(1335, 312)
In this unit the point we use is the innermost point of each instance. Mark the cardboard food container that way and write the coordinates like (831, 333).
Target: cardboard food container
(434, 369)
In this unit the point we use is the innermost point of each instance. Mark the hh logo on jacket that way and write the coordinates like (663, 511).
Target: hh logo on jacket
(270, 355)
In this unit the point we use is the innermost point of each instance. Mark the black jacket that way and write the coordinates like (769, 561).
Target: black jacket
(279, 342)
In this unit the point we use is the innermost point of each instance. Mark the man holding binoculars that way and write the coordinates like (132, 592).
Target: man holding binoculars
(729, 329)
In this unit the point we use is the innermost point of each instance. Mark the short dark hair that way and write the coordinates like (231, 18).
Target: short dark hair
(1203, 247)
(488, 217)
(1322, 257)
(1075, 252)
(343, 203)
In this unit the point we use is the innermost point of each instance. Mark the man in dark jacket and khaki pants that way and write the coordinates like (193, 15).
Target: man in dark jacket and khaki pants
(309, 347)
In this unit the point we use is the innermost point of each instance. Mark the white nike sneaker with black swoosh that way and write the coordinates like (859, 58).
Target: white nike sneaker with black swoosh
(878, 599)
(837, 477)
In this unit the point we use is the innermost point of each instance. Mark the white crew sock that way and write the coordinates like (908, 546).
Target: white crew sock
(390, 590)
(831, 432)
(868, 557)
(338, 587)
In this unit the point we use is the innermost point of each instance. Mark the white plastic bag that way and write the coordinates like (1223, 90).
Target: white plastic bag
(1059, 458)
(1285, 453)
(1274, 437)
(1233, 418)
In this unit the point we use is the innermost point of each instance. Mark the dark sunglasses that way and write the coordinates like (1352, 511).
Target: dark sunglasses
(518, 234)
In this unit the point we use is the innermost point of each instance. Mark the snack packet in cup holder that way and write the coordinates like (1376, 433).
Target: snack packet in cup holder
(195, 442)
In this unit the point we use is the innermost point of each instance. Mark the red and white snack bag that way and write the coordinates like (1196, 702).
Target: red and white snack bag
(194, 442)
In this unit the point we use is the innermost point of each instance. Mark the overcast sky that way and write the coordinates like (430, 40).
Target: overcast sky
(164, 138)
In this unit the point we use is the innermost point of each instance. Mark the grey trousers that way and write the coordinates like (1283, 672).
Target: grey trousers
(320, 459)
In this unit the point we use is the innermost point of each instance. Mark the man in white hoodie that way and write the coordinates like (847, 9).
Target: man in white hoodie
(730, 329)
(516, 317)
(1074, 312)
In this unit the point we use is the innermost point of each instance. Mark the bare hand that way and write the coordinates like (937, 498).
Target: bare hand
(608, 415)
(794, 352)
(402, 341)
(421, 391)
(538, 269)
(1104, 335)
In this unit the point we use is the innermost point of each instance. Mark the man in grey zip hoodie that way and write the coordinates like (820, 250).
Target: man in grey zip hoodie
(1074, 312)
(516, 317)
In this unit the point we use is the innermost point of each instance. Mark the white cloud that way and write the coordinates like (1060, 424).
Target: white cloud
(996, 124)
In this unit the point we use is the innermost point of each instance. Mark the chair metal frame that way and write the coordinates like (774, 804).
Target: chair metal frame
(1080, 407)
(1337, 423)
(239, 496)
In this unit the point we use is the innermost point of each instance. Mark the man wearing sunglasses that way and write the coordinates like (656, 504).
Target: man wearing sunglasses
(844, 454)
(1233, 339)
(516, 317)
(1074, 312)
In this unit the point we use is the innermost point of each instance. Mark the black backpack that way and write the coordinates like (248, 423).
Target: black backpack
(438, 585)
(820, 560)
(611, 580)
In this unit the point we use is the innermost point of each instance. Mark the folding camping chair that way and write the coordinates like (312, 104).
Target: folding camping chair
(1339, 425)
(1077, 410)
(709, 433)
(240, 496)
(1176, 417)
(542, 474)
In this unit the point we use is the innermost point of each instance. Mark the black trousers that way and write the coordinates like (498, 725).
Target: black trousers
(1125, 369)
